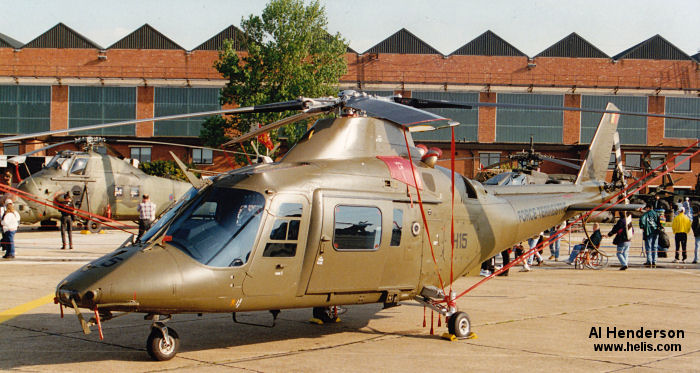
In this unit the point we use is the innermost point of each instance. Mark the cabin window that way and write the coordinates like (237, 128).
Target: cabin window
(396, 227)
(134, 192)
(202, 156)
(357, 228)
(219, 227)
(79, 165)
(285, 231)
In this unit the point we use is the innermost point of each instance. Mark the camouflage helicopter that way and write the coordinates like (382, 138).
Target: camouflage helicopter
(99, 183)
(334, 222)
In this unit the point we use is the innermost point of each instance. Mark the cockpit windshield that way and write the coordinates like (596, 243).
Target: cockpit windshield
(219, 227)
(59, 161)
(168, 215)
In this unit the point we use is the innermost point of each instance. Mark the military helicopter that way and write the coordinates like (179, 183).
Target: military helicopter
(334, 222)
(99, 183)
(526, 170)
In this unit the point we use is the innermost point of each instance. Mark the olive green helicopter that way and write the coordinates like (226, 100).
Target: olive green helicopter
(354, 213)
(100, 184)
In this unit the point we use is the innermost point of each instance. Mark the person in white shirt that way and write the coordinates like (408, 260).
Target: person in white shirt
(10, 223)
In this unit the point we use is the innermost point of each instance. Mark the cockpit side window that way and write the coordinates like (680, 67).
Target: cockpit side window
(219, 229)
(285, 231)
(79, 165)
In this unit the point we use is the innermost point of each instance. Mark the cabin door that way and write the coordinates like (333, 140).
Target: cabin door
(352, 250)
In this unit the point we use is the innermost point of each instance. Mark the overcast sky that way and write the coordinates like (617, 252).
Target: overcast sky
(529, 25)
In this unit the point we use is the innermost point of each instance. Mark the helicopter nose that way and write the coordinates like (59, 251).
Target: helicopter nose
(129, 278)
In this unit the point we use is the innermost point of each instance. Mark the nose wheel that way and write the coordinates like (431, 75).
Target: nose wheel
(162, 343)
(459, 325)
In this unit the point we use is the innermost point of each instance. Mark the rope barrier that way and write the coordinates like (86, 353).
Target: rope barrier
(74, 211)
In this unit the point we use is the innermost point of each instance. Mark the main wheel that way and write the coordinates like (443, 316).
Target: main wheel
(459, 325)
(325, 314)
(597, 261)
(161, 349)
(94, 226)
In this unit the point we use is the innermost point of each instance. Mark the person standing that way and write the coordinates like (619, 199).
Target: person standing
(554, 240)
(650, 224)
(66, 209)
(622, 241)
(696, 233)
(687, 208)
(10, 223)
(147, 214)
(681, 227)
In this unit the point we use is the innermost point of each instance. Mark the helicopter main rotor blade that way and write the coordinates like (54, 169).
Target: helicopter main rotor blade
(301, 104)
(272, 126)
(23, 157)
(415, 120)
(442, 104)
(559, 161)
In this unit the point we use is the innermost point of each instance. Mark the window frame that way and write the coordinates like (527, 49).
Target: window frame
(489, 155)
(140, 149)
(686, 162)
(201, 159)
(639, 165)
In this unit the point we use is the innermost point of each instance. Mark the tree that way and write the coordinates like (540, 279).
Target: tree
(289, 54)
(167, 169)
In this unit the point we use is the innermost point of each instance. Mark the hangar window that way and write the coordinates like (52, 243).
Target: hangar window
(97, 105)
(487, 159)
(142, 154)
(285, 231)
(202, 156)
(685, 166)
(656, 160)
(357, 228)
(10, 148)
(633, 161)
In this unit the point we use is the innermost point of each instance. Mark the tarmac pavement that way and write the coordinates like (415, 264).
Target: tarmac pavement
(543, 320)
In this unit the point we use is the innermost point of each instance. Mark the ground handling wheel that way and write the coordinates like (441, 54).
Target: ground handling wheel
(325, 314)
(162, 348)
(459, 325)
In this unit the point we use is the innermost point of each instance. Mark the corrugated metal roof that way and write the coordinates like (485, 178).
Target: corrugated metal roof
(573, 46)
(62, 36)
(8, 42)
(488, 44)
(697, 57)
(654, 48)
(145, 37)
(217, 41)
(403, 42)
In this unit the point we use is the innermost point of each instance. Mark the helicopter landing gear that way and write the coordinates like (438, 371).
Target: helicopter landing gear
(328, 314)
(162, 343)
(459, 325)
(93, 226)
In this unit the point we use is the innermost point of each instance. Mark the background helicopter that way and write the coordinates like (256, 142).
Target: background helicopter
(524, 169)
(100, 184)
(276, 235)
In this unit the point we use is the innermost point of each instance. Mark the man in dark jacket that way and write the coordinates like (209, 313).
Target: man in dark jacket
(650, 223)
(594, 242)
(622, 240)
(66, 203)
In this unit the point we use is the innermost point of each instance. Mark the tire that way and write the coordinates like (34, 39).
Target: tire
(459, 325)
(157, 347)
(94, 226)
(598, 261)
(324, 314)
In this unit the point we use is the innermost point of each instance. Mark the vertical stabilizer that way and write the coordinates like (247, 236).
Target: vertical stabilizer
(596, 164)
